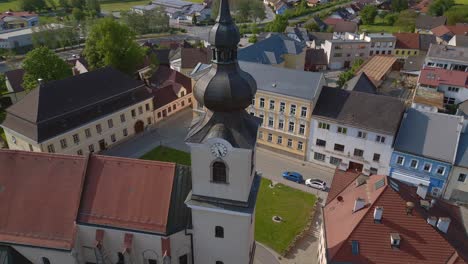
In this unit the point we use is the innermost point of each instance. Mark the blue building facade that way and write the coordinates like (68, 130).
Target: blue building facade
(417, 170)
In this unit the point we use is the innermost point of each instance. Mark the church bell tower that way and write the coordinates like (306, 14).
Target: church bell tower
(222, 144)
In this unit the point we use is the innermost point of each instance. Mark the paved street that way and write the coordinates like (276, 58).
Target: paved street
(172, 132)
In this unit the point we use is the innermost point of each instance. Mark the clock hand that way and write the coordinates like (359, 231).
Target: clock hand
(219, 151)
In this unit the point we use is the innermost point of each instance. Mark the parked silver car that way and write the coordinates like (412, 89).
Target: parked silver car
(316, 183)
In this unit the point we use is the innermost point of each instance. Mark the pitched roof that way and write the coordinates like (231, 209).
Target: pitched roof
(271, 50)
(425, 41)
(166, 84)
(301, 33)
(332, 21)
(448, 53)
(146, 187)
(15, 77)
(192, 56)
(315, 57)
(438, 76)
(359, 109)
(414, 63)
(407, 40)
(343, 226)
(429, 22)
(460, 40)
(39, 208)
(443, 30)
(361, 83)
(345, 26)
(377, 67)
(340, 181)
(428, 134)
(57, 106)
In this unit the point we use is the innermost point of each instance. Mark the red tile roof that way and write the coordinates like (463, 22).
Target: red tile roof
(340, 181)
(127, 193)
(166, 84)
(421, 243)
(407, 40)
(436, 77)
(458, 29)
(39, 198)
(332, 21)
(17, 14)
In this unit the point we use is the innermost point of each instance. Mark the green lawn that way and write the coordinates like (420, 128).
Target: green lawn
(5, 5)
(461, 2)
(121, 5)
(382, 28)
(162, 153)
(292, 205)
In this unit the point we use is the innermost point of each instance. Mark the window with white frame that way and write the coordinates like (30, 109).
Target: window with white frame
(320, 142)
(414, 164)
(282, 106)
(380, 139)
(271, 121)
(362, 134)
(461, 177)
(51, 148)
(270, 137)
(272, 104)
(427, 167)
(261, 117)
(358, 152)
(279, 140)
(291, 127)
(339, 147)
(449, 100)
(98, 128)
(376, 157)
(400, 160)
(290, 143)
(122, 118)
(262, 102)
(335, 161)
(440, 170)
(319, 156)
(292, 110)
(453, 89)
(260, 134)
(300, 145)
(110, 123)
(76, 138)
(323, 125)
(63, 143)
(281, 124)
(342, 130)
(91, 148)
(301, 129)
(303, 111)
(87, 132)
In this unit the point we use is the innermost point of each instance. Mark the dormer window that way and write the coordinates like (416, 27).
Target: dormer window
(219, 172)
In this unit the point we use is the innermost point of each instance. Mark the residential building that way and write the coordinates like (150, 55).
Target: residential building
(172, 92)
(457, 187)
(285, 100)
(424, 23)
(380, 43)
(14, 84)
(23, 37)
(297, 33)
(360, 83)
(425, 149)
(445, 33)
(413, 65)
(378, 219)
(354, 130)
(340, 26)
(277, 50)
(459, 40)
(448, 57)
(412, 44)
(175, 9)
(188, 58)
(378, 68)
(80, 114)
(316, 60)
(454, 84)
(97, 209)
(10, 20)
(428, 99)
(318, 38)
(341, 53)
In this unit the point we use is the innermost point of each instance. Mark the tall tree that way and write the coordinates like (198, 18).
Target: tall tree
(112, 43)
(399, 5)
(279, 24)
(368, 14)
(407, 19)
(257, 10)
(94, 7)
(42, 63)
(439, 7)
(32, 5)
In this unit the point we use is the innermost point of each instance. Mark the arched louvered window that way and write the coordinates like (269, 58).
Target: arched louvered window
(219, 231)
(219, 172)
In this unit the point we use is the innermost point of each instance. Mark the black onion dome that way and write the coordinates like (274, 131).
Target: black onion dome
(224, 34)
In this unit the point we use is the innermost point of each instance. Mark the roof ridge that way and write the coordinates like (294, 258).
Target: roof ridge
(135, 160)
(41, 154)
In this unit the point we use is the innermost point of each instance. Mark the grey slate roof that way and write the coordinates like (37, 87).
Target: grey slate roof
(300, 84)
(448, 53)
(364, 110)
(429, 22)
(428, 134)
(179, 214)
(462, 151)
(15, 77)
(270, 50)
(425, 40)
(361, 83)
(58, 106)
(461, 40)
(414, 63)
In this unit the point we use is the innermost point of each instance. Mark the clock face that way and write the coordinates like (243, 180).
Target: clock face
(218, 150)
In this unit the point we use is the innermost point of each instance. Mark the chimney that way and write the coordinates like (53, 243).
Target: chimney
(359, 204)
(443, 224)
(409, 208)
(378, 211)
(432, 220)
(395, 240)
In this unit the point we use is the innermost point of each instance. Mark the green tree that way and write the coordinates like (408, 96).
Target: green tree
(32, 5)
(368, 14)
(399, 5)
(93, 6)
(65, 4)
(390, 19)
(78, 14)
(78, 3)
(3, 87)
(42, 63)
(214, 9)
(457, 15)
(257, 11)
(112, 43)
(312, 27)
(279, 24)
(407, 19)
(253, 38)
(243, 12)
(438, 7)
